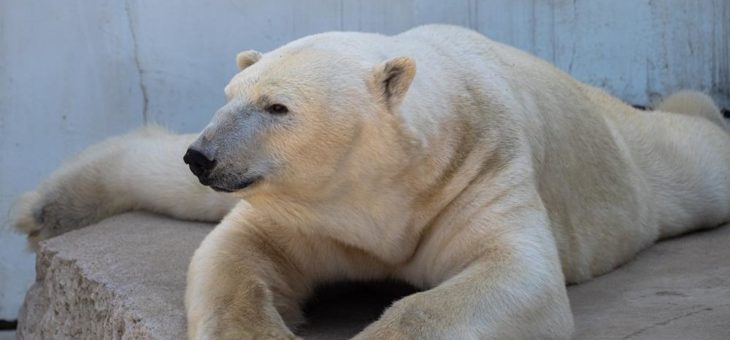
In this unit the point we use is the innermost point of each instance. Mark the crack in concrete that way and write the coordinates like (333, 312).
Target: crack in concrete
(575, 41)
(138, 64)
(665, 322)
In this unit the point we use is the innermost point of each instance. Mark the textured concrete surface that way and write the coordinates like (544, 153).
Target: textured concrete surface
(125, 278)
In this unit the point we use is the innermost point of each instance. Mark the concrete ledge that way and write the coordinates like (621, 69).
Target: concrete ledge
(125, 277)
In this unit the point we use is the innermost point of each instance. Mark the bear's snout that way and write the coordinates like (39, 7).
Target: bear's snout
(200, 164)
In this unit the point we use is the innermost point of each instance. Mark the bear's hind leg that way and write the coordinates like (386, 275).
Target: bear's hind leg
(142, 170)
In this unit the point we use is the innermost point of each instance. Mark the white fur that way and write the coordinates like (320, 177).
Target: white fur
(693, 103)
(140, 170)
(490, 179)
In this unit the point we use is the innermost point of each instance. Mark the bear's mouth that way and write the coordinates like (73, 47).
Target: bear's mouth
(240, 186)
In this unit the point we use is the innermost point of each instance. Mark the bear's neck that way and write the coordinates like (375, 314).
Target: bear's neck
(384, 212)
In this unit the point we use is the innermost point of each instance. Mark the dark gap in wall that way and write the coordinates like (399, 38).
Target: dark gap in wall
(725, 111)
(11, 324)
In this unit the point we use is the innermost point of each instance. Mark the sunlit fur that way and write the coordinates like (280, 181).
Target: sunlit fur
(470, 169)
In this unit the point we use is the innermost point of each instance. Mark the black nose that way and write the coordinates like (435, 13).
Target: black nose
(199, 163)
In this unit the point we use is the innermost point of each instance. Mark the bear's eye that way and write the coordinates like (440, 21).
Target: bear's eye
(277, 109)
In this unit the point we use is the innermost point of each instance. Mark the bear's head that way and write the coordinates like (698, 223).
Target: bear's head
(306, 121)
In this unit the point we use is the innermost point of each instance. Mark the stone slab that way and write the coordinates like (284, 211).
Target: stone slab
(125, 278)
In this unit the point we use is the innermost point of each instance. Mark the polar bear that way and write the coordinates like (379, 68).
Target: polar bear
(472, 170)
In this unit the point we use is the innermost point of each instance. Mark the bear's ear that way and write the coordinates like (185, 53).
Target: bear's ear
(392, 78)
(247, 58)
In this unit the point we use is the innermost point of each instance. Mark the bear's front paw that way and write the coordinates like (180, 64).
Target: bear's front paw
(239, 333)
(413, 317)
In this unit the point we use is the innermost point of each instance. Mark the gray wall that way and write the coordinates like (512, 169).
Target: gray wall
(73, 72)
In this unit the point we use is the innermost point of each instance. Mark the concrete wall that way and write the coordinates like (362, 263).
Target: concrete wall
(73, 72)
